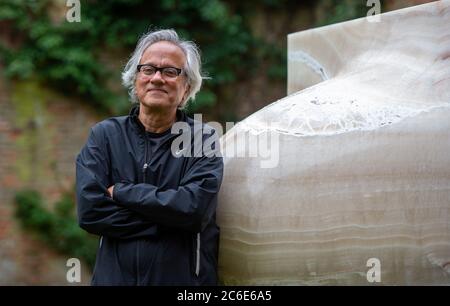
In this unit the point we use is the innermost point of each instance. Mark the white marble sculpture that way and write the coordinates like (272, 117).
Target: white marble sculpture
(362, 181)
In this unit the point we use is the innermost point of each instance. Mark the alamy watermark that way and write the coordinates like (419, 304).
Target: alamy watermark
(374, 273)
(73, 274)
(204, 140)
(373, 14)
(74, 13)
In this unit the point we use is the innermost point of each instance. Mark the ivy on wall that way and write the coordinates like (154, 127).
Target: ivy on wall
(68, 56)
(58, 228)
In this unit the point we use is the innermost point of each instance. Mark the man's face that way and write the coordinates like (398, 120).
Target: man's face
(157, 91)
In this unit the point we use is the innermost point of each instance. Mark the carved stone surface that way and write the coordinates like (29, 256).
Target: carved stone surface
(364, 160)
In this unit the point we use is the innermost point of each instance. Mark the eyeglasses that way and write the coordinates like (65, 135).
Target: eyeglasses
(168, 72)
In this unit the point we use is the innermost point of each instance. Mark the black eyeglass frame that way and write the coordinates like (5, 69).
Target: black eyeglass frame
(160, 69)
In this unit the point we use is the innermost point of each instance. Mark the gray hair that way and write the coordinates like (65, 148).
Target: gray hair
(192, 67)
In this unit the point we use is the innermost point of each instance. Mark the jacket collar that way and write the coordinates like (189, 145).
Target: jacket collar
(134, 116)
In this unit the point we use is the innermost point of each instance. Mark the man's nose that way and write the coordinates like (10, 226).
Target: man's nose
(157, 77)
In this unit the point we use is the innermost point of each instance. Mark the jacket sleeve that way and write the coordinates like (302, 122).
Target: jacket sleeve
(189, 207)
(97, 212)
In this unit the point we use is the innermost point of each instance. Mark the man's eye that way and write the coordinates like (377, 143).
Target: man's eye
(148, 70)
(170, 72)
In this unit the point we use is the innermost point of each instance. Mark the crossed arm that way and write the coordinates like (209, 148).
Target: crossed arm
(127, 210)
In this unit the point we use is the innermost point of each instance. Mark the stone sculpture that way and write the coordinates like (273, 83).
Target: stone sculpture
(360, 191)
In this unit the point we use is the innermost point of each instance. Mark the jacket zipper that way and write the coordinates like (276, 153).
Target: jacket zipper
(144, 168)
(197, 261)
(137, 264)
(144, 174)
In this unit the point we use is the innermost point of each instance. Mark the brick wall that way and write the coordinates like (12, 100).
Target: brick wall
(41, 133)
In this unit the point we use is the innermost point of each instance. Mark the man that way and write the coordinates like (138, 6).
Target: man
(153, 207)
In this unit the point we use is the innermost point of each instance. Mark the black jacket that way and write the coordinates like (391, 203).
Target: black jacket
(159, 228)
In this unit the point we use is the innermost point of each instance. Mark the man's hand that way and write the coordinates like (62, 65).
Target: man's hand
(110, 190)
